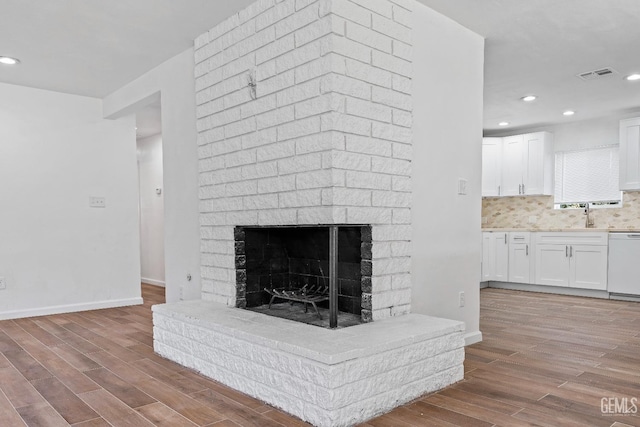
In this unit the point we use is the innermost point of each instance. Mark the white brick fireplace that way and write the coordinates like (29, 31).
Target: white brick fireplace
(327, 139)
(304, 118)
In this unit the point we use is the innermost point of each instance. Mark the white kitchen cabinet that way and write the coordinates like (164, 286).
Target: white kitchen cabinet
(538, 164)
(630, 154)
(552, 264)
(512, 165)
(495, 256)
(526, 163)
(501, 270)
(576, 260)
(487, 258)
(588, 267)
(491, 167)
(520, 255)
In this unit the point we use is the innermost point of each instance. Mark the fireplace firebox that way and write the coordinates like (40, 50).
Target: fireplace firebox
(305, 272)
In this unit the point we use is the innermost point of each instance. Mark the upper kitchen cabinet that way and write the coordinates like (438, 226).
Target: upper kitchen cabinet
(630, 154)
(514, 165)
(492, 167)
(525, 167)
(528, 164)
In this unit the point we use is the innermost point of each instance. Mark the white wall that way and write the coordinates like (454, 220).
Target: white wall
(447, 96)
(151, 210)
(56, 253)
(173, 81)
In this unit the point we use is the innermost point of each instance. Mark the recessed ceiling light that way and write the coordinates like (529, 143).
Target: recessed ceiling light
(503, 124)
(7, 60)
(569, 113)
(529, 98)
(633, 77)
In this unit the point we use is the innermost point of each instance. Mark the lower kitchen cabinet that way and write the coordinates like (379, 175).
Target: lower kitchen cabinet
(552, 265)
(495, 256)
(572, 260)
(576, 260)
(588, 267)
(520, 255)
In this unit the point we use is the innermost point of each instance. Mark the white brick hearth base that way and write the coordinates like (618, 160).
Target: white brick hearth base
(326, 377)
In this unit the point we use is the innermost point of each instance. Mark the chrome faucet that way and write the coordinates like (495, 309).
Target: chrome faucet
(589, 222)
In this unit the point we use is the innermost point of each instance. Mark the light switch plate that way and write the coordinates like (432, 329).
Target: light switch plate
(3, 283)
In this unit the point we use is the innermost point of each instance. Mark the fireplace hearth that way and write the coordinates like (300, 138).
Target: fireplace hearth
(305, 274)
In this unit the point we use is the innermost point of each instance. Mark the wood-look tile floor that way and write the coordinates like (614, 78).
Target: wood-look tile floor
(545, 360)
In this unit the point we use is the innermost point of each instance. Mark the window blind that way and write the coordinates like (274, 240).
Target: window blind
(587, 175)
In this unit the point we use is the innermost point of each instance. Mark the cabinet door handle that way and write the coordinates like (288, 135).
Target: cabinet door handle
(570, 251)
(519, 188)
(566, 251)
(527, 250)
(522, 188)
(505, 238)
(499, 190)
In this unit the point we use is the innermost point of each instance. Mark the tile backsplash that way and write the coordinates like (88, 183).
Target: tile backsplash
(514, 212)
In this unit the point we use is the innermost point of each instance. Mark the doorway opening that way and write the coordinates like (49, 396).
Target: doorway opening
(151, 203)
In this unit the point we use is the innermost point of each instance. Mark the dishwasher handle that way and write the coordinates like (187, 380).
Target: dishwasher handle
(624, 236)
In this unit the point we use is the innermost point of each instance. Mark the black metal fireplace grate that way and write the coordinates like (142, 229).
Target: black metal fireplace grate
(325, 267)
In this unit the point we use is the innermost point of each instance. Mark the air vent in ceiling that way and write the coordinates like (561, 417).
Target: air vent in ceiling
(597, 74)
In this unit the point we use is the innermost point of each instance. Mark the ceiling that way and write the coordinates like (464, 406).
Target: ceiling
(93, 47)
(539, 46)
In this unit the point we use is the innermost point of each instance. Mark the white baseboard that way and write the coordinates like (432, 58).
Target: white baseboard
(153, 282)
(71, 308)
(472, 338)
(559, 290)
(624, 297)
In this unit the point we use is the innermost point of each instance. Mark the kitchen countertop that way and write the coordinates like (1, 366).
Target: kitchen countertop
(563, 230)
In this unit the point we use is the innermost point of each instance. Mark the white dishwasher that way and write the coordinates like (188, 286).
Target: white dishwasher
(624, 263)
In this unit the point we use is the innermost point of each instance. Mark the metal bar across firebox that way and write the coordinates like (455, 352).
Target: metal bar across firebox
(333, 276)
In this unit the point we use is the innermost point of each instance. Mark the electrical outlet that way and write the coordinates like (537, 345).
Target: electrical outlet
(97, 202)
(461, 299)
(3, 283)
(533, 219)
